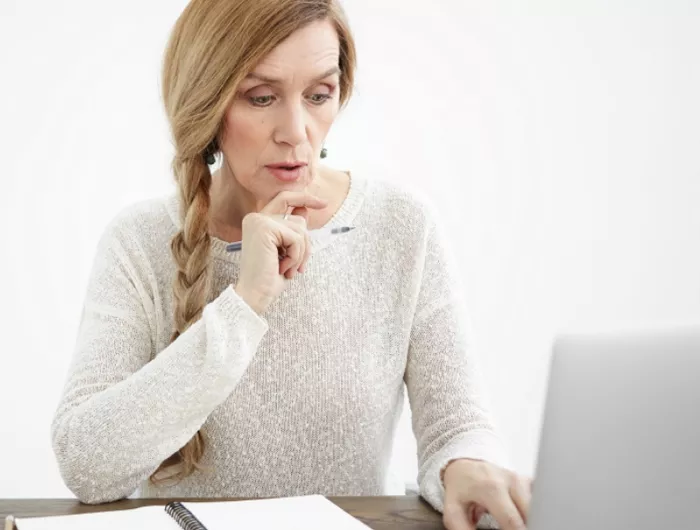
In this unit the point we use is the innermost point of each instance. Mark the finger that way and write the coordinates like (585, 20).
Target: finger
(292, 242)
(476, 513)
(293, 219)
(298, 224)
(302, 211)
(283, 201)
(455, 517)
(289, 263)
(302, 267)
(294, 255)
(503, 510)
(521, 494)
(303, 256)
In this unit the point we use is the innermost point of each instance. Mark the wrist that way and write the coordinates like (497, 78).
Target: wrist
(454, 465)
(255, 302)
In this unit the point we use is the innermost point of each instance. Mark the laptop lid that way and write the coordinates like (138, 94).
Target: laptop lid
(620, 441)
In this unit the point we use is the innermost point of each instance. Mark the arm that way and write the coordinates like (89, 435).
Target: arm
(449, 412)
(121, 413)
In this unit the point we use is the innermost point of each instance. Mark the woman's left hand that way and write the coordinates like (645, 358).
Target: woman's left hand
(474, 487)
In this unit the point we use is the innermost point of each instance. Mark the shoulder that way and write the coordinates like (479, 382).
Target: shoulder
(143, 224)
(400, 207)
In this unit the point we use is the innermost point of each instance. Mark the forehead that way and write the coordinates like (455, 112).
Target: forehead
(305, 53)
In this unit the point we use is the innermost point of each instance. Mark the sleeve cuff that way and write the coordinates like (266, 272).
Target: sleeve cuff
(230, 303)
(478, 445)
(237, 328)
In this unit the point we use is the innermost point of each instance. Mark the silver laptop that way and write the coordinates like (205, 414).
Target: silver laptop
(620, 441)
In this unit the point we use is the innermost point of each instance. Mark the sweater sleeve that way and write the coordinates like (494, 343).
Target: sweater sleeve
(450, 415)
(124, 410)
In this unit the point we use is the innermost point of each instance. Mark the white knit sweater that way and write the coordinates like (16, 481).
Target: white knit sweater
(302, 399)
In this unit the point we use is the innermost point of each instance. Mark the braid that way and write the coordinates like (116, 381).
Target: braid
(190, 248)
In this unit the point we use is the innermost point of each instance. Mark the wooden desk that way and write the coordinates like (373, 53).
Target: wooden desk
(380, 513)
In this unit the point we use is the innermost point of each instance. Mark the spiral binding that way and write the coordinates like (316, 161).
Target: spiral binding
(183, 516)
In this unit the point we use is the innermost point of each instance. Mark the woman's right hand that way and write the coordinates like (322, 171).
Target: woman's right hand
(263, 276)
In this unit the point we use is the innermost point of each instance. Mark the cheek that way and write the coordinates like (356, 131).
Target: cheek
(245, 139)
(324, 120)
(245, 131)
(331, 113)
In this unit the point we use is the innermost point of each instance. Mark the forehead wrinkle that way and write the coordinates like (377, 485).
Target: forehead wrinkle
(278, 77)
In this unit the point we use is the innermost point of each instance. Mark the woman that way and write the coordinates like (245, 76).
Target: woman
(205, 373)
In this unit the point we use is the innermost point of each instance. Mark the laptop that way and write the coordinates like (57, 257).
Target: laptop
(620, 440)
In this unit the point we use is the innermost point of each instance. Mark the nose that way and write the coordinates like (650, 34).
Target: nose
(291, 127)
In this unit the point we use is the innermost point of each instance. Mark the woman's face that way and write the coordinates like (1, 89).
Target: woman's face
(283, 111)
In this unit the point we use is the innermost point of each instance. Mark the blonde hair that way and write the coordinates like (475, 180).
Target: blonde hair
(213, 45)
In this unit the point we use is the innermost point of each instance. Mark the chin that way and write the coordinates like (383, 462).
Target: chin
(300, 184)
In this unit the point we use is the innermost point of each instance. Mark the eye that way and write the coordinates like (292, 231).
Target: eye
(261, 101)
(319, 99)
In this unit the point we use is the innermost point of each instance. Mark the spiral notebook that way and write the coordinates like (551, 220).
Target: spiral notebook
(310, 512)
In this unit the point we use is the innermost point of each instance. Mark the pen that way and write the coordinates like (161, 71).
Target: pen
(233, 247)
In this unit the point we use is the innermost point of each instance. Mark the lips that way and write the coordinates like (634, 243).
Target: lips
(287, 165)
(287, 173)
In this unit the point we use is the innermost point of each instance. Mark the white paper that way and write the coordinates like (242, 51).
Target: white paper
(310, 512)
(146, 518)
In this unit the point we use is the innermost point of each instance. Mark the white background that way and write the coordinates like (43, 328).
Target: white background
(561, 139)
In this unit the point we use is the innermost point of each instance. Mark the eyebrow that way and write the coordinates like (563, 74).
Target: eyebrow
(273, 81)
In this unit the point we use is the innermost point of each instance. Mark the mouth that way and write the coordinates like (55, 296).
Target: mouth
(287, 165)
(287, 171)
